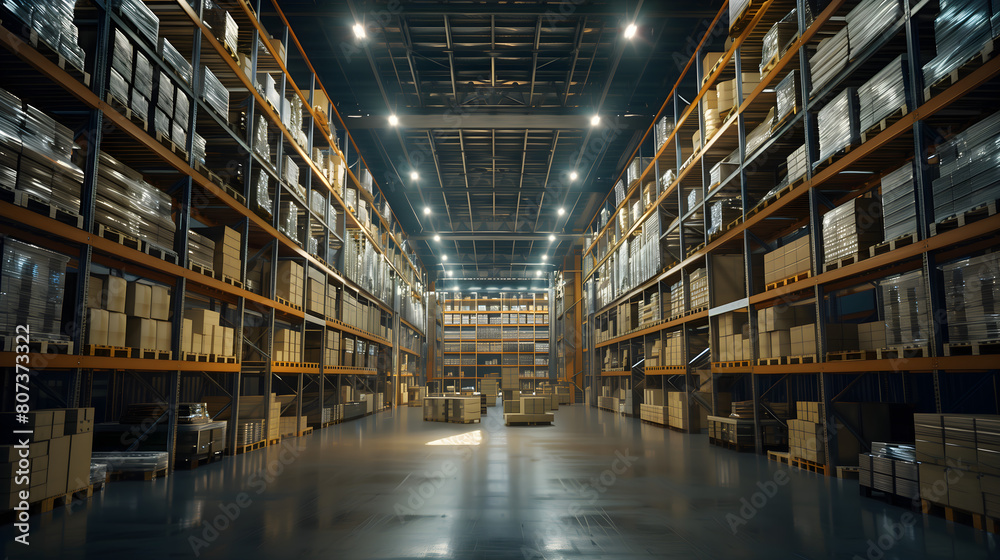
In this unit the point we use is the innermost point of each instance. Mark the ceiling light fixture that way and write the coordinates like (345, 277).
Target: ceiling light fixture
(561, 211)
(545, 257)
(437, 238)
(414, 175)
(552, 237)
(538, 273)
(630, 31)
(393, 120)
(595, 120)
(359, 30)
(573, 175)
(448, 272)
(444, 257)
(427, 210)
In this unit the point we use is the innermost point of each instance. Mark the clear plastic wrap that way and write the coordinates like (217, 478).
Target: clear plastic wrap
(175, 60)
(140, 16)
(907, 310)
(851, 228)
(830, 58)
(161, 122)
(787, 93)
(182, 109)
(178, 134)
(365, 178)
(724, 212)
(288, 220)
(165, 93)
(198, 147)
(736, 8)
(838, 124)
(131, 205)
(291, 172)
(223, 25)
(972, 298)
(969, 169)
(201, 250)
(776, 40)
(118, 87)
(666, 179)
(263, 195)
(899, 210)
(961, 30)
(635, 169)
(619, 193)
(868, 20)
(142, 77)
(720, 171)
(260, 144)
(760, 134)
(214, 93)
(797, 163)
(662, 131)
(32, 287)
(122, 53)
(884, 94)
(131, 461)
(98, 472)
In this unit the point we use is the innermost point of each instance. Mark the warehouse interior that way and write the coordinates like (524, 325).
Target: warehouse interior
(541, 279)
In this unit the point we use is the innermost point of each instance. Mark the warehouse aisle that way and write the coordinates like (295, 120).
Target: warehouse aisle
(595, 485)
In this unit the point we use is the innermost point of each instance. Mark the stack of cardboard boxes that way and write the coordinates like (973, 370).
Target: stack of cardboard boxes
(803, 340)
(960, 454)
(227, 250)
(201, 333)
(532, 409)
(58, 457)
(726, 91)
(788, 261)
(871, 336)
(806, 434)
(128, 314)
(287, 346)
(316, 290)
(291, 426)
(265, 408)
(682, 414)
(734, 338)
(652, 408)
(290, 281)
(779, 326)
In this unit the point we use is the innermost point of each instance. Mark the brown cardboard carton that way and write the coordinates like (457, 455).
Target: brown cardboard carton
(228, 338)
(159, 303)
(58, 466)
(113, 297)
(97, 327)
(117, 325)
(196, 344)
(187, 336)
(78, 471)
(163, 335)
(94, 291)
(137, 299)
(202, 320)
(141, 333)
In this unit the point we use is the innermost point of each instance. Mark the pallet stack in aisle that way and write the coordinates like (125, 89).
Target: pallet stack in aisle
(33, 284)
(961, 455)
(890, 468)
(682, 414)
(806, 433)
(58, 457)
(266, 409)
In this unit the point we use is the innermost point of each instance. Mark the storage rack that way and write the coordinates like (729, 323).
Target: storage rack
(568, 313)
(210, 194)
(471, 352)
(761, 223)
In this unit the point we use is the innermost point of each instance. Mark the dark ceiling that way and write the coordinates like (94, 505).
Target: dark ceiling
(494, 101)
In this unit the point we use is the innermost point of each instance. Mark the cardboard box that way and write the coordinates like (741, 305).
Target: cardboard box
(113, 297)
(228, 341)
(197, 344)
(78, 470)
(217, 340)
(137, 299)
(159, 303)
(95, 291)
(78, 420)
(97, 327)
(58, 466)
(187, 336)
(202, 320)
(141, 333)
(117, 325)
(163, 335)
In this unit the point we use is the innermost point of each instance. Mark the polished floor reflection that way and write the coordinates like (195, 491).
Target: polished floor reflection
(594, 485)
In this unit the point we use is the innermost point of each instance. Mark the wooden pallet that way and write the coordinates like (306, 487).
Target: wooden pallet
(48, 504)
(159, 252)
(980, 212)
(476, 421)
(271, 442)
(849, 471)
(739, 447)
(232, 192)
(516, 423)
(137, 475)
(122, 107)
(169, 144)
(804, 359)
(106, 351)
(782, 457)
(201, 269)
(830, 159)
(892, 245)
(147, 354)
(955, 515)
(962, 70)
(902, 352)
(810, 466)
(40, 206)
(772, 199)
(979, 348)
(194, 357)
(240, 449)
(220, 359)
(121, 238)
(787, 281)
(229, 49)
(231, 281)
(883, 124)
(37, 345)
(845, 261)
(846, 356)
(288, 303)
(779, 361)
(729, 365)
(784, 120)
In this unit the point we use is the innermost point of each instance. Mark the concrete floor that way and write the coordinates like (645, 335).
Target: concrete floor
(594, 485)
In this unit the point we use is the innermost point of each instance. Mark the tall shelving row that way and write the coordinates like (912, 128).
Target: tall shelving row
(312, 275)
(739, 259)
(505, 336)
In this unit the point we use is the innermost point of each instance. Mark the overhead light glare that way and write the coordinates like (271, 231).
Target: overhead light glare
(444, 257)
(437, 238)
(427, 210)
(561, 211)
(393, 120)
(414, 175)
(630, 31)
(552, 237)
(595, 120)
(359, 30)
(573, 175)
